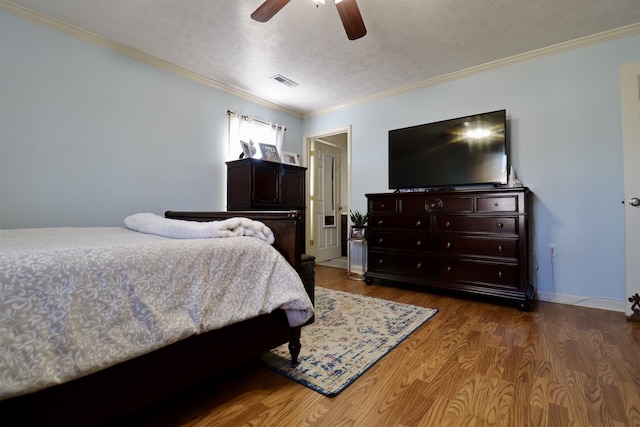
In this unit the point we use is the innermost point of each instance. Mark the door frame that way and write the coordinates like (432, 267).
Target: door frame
(306, 161)
(630, 94)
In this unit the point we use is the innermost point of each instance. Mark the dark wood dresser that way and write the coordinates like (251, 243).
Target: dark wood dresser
(470, 241)
(254, 184)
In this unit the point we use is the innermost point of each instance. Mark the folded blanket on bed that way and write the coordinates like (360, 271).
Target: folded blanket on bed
(179, 229)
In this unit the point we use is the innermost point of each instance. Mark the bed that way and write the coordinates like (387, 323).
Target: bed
(180, 359)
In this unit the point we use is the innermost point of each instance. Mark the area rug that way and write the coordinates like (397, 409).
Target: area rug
(350, 334)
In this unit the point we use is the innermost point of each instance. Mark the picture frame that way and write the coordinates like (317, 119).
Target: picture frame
(269, 152)
(290, 158)
(247, 150)
(358, 232)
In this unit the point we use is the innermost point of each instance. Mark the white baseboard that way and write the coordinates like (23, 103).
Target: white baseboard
(591, 302)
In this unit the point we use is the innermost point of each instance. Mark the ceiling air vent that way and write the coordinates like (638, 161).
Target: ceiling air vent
(285, 81)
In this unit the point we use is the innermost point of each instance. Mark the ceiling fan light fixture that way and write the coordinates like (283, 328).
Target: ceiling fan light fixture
(347, 9)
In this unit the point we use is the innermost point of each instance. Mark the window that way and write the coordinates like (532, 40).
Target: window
(253, 132)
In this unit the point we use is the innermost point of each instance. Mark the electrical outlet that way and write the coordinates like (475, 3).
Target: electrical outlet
(552, 249)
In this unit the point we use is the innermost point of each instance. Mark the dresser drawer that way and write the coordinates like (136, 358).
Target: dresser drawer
(494, 275)
(410, 241)
(404, 222)
(403, 265)
(478, 246)
(498, 204)
(466, 224)
(383, 205)
(436, 204)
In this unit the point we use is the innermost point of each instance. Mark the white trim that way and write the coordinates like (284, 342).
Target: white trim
(310, 232)
(74, 31)
(32, 15)
(534, 54)
(629, 91)
(580, 301)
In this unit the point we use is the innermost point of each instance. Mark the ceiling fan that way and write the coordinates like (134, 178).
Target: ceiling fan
(347, 9)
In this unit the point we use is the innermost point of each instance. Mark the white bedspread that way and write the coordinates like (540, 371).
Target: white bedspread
(77, 300)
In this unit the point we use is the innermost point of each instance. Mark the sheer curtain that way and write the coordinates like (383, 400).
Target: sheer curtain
(252, 131)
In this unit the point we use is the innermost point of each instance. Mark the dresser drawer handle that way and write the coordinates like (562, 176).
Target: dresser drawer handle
(380, 222)
(382, 206)
(500, 248)
(380, 261)
(419, 266)
(418, 242)
(448, 224)
(380, 240)
(500, 274)
(496, 204)
(448, 245)
(433, 205)
(499, 225)
(418, 223)
(449, 269)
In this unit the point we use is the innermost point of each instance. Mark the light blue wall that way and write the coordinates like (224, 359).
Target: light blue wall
(89, 136)
(565, 143)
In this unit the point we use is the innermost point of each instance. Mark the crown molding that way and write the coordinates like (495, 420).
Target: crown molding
(55, 24)
(74, 31)
(617, 33)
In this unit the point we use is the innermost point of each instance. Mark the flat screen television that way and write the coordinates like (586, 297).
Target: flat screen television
(465, 151)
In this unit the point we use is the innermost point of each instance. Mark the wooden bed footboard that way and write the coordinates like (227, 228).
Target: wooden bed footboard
(120, 390)
(287, 226)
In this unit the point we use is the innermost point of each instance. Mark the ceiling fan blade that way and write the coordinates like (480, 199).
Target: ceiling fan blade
(268, 9)
(351, 19)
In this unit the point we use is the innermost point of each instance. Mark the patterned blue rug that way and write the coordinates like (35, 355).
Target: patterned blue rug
(350, 334)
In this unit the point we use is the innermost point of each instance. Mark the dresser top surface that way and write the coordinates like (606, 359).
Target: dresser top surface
(460, 192)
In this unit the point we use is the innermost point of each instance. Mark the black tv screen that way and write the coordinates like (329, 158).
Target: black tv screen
(468, 150)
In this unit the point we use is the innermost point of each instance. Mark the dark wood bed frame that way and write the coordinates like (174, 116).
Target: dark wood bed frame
(120, 390)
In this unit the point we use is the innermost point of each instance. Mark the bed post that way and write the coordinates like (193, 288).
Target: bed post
(295, 345)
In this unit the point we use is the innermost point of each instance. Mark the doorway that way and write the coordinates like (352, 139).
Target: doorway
(327, 157)
(630, 86)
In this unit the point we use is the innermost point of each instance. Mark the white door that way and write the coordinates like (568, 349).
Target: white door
(630, 77)
(326, 200)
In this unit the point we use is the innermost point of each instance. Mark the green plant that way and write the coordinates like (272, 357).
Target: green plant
(358, 219)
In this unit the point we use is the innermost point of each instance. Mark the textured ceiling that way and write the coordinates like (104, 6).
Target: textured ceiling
(408, 41)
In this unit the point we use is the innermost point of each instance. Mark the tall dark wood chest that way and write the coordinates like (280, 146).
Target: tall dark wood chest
(254, 184)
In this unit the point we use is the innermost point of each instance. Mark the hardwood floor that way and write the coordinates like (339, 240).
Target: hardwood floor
(472, 364)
